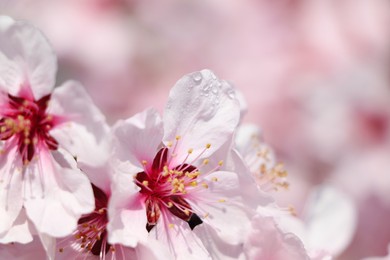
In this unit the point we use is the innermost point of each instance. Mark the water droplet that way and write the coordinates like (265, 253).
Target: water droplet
(231, 94)
(214, 90)
(197, 77)
(169, 104)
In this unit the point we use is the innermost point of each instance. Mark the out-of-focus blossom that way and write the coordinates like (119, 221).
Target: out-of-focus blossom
(260, 159)
(267, 241)
(370, 192)
(380, 257)
(327, 226)
(179, 188)
(38, 171)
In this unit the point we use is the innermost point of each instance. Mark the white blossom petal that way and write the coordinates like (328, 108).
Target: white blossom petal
(127, 215)
(11, 188)
(26, 59)
(201, 110)
(137, 139)
(57, 193)
(85, 135)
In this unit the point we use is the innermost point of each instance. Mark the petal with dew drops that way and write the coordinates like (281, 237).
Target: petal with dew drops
(201, 110)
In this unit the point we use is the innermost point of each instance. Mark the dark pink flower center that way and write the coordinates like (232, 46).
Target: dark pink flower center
(26, 122)
(165, 187)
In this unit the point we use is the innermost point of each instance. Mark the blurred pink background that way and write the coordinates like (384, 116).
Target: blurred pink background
(315, 74)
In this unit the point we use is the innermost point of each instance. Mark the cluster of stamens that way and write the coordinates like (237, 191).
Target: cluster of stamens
(165, 185)
(26, 122)
(91, 233)
(269, 175)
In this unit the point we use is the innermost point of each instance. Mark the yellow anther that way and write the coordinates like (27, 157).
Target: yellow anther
(9, 122)
(221, 200)
(206, 161)
(194, 183)
(178, 137)
(220, 163)
(292, 210)
(214, 179)
(3, 129)
(170, 204)
(152, 214)
(187, 212)
(205, 185)
(20, 117)
(101, 211)
(171, 225)
(169, 144)
(206, 215)
(165, 171)
(263, 169)
(144, 162)
(190, 151)
(208, 146)
(145, 183)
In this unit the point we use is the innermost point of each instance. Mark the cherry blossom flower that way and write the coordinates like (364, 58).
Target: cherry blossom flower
(326, 226)
(168, 184)
(90, 239)
(260, 159)
(41, 132)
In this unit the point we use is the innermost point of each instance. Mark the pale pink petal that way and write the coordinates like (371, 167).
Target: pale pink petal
(179, 239)
(267, 241)
(201, 110)
(16, 251)
(5, 22)
(216, 247)
(11, 187)
(85, 135)
(252, 196)
(330, 219)
(26, 58)
(380, 257)
(57, 193)
(49, 245)
(223, 206)
(137, 139)
(153, 250)
(20, 231)
(127, 217)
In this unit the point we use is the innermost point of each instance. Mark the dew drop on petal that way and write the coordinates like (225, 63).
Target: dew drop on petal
(197, 77)
(231, 94)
